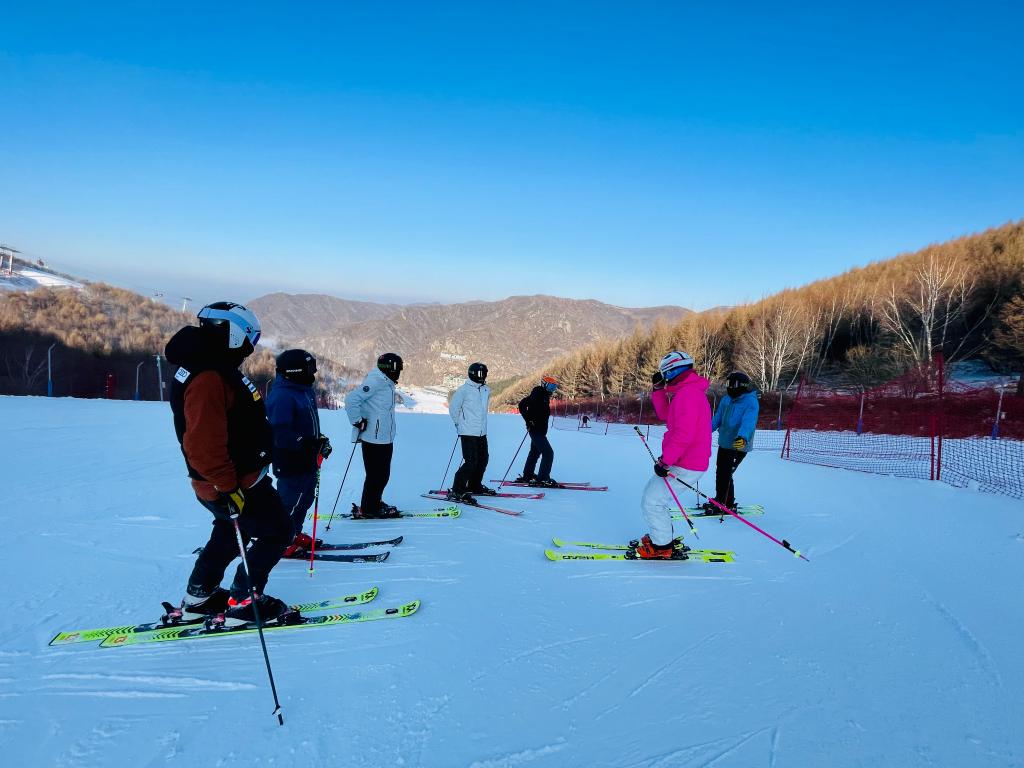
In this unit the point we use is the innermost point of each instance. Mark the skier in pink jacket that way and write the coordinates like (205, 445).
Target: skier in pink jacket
(680, 400)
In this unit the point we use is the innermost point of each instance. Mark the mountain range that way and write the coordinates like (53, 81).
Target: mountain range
(438, 341)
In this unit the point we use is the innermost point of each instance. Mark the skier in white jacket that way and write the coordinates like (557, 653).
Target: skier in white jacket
(371, 411)
(468, 410)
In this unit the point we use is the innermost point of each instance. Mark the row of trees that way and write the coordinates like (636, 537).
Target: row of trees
(965, 298)
(99, 331)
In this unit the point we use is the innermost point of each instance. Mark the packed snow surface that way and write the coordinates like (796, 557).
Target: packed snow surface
(422, 400)
(28, 279)
(898, 644)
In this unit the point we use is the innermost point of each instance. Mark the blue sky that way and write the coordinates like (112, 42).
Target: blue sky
(636, 153)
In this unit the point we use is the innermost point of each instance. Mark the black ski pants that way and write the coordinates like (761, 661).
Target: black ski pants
(540, 448)
(297, 494)
(377, 463)
(264, 519)
(727, 461)
(474, 463)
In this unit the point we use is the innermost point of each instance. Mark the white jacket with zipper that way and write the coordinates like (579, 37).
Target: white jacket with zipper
(373, 400)
(468, 409)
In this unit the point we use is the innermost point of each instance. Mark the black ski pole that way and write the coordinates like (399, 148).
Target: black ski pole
(331, 518)
(521, 444)
(259, 622)
(450, 459)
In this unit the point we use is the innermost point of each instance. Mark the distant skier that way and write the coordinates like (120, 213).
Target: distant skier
(736, 422)
(221, 424)
(468, 410)
(680, 401)
(293, 415)
(535, 409)
(371, 411)
(586, 421)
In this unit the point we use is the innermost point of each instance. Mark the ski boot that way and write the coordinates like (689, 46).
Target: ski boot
(483, 490)
(271, 610)
(545, 483)
(358, 513)
(677, 543)
(387, 510)
(301, 544)
(647, 550)
(525, 479)
(460, 498)
(196, 605)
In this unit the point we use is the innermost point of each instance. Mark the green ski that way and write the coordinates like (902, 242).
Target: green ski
(595, 545)
(304, 622)
(88, 635)
(744, 509)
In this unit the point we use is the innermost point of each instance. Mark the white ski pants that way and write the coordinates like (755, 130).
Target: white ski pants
(658, 504)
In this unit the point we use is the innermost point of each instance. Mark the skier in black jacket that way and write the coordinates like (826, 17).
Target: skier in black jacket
(535, 409)
(221, 423)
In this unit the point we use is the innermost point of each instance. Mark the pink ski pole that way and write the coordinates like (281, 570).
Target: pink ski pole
(783, 543)
(668, 484)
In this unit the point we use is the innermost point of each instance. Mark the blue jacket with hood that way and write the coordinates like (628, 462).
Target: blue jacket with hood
(292, 413)
(736, 418)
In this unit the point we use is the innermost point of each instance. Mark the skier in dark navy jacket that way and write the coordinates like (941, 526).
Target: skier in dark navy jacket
(298, 444)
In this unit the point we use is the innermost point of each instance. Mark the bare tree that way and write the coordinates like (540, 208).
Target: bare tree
(24, 369)
(923, 320)
(704, 340)
(830, 315)
(774, 343)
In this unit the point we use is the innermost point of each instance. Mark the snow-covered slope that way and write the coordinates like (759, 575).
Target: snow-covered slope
(422, 400)
(28, 279)
(898, 644)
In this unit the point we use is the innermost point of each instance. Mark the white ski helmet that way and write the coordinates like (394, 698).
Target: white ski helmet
(242, 324)
(673, 364)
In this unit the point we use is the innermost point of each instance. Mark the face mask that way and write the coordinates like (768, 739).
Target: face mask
(735, 392)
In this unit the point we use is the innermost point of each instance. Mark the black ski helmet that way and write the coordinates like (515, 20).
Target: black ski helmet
(478, 373)
(390, 365)
(738, 383)
(297, 365)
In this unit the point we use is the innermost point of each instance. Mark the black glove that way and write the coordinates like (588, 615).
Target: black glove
(325, 446)
(657, 380)
(361, 425)
(660, 469)
(233, 502)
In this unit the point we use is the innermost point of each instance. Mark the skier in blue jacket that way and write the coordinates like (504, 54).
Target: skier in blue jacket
(736, 422)
(298, 444)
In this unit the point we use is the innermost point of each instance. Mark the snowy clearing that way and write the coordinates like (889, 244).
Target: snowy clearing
(897, 645)
(28, 279)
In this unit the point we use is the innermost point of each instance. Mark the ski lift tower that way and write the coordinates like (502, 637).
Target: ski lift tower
(7, 252)
(184, 303)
